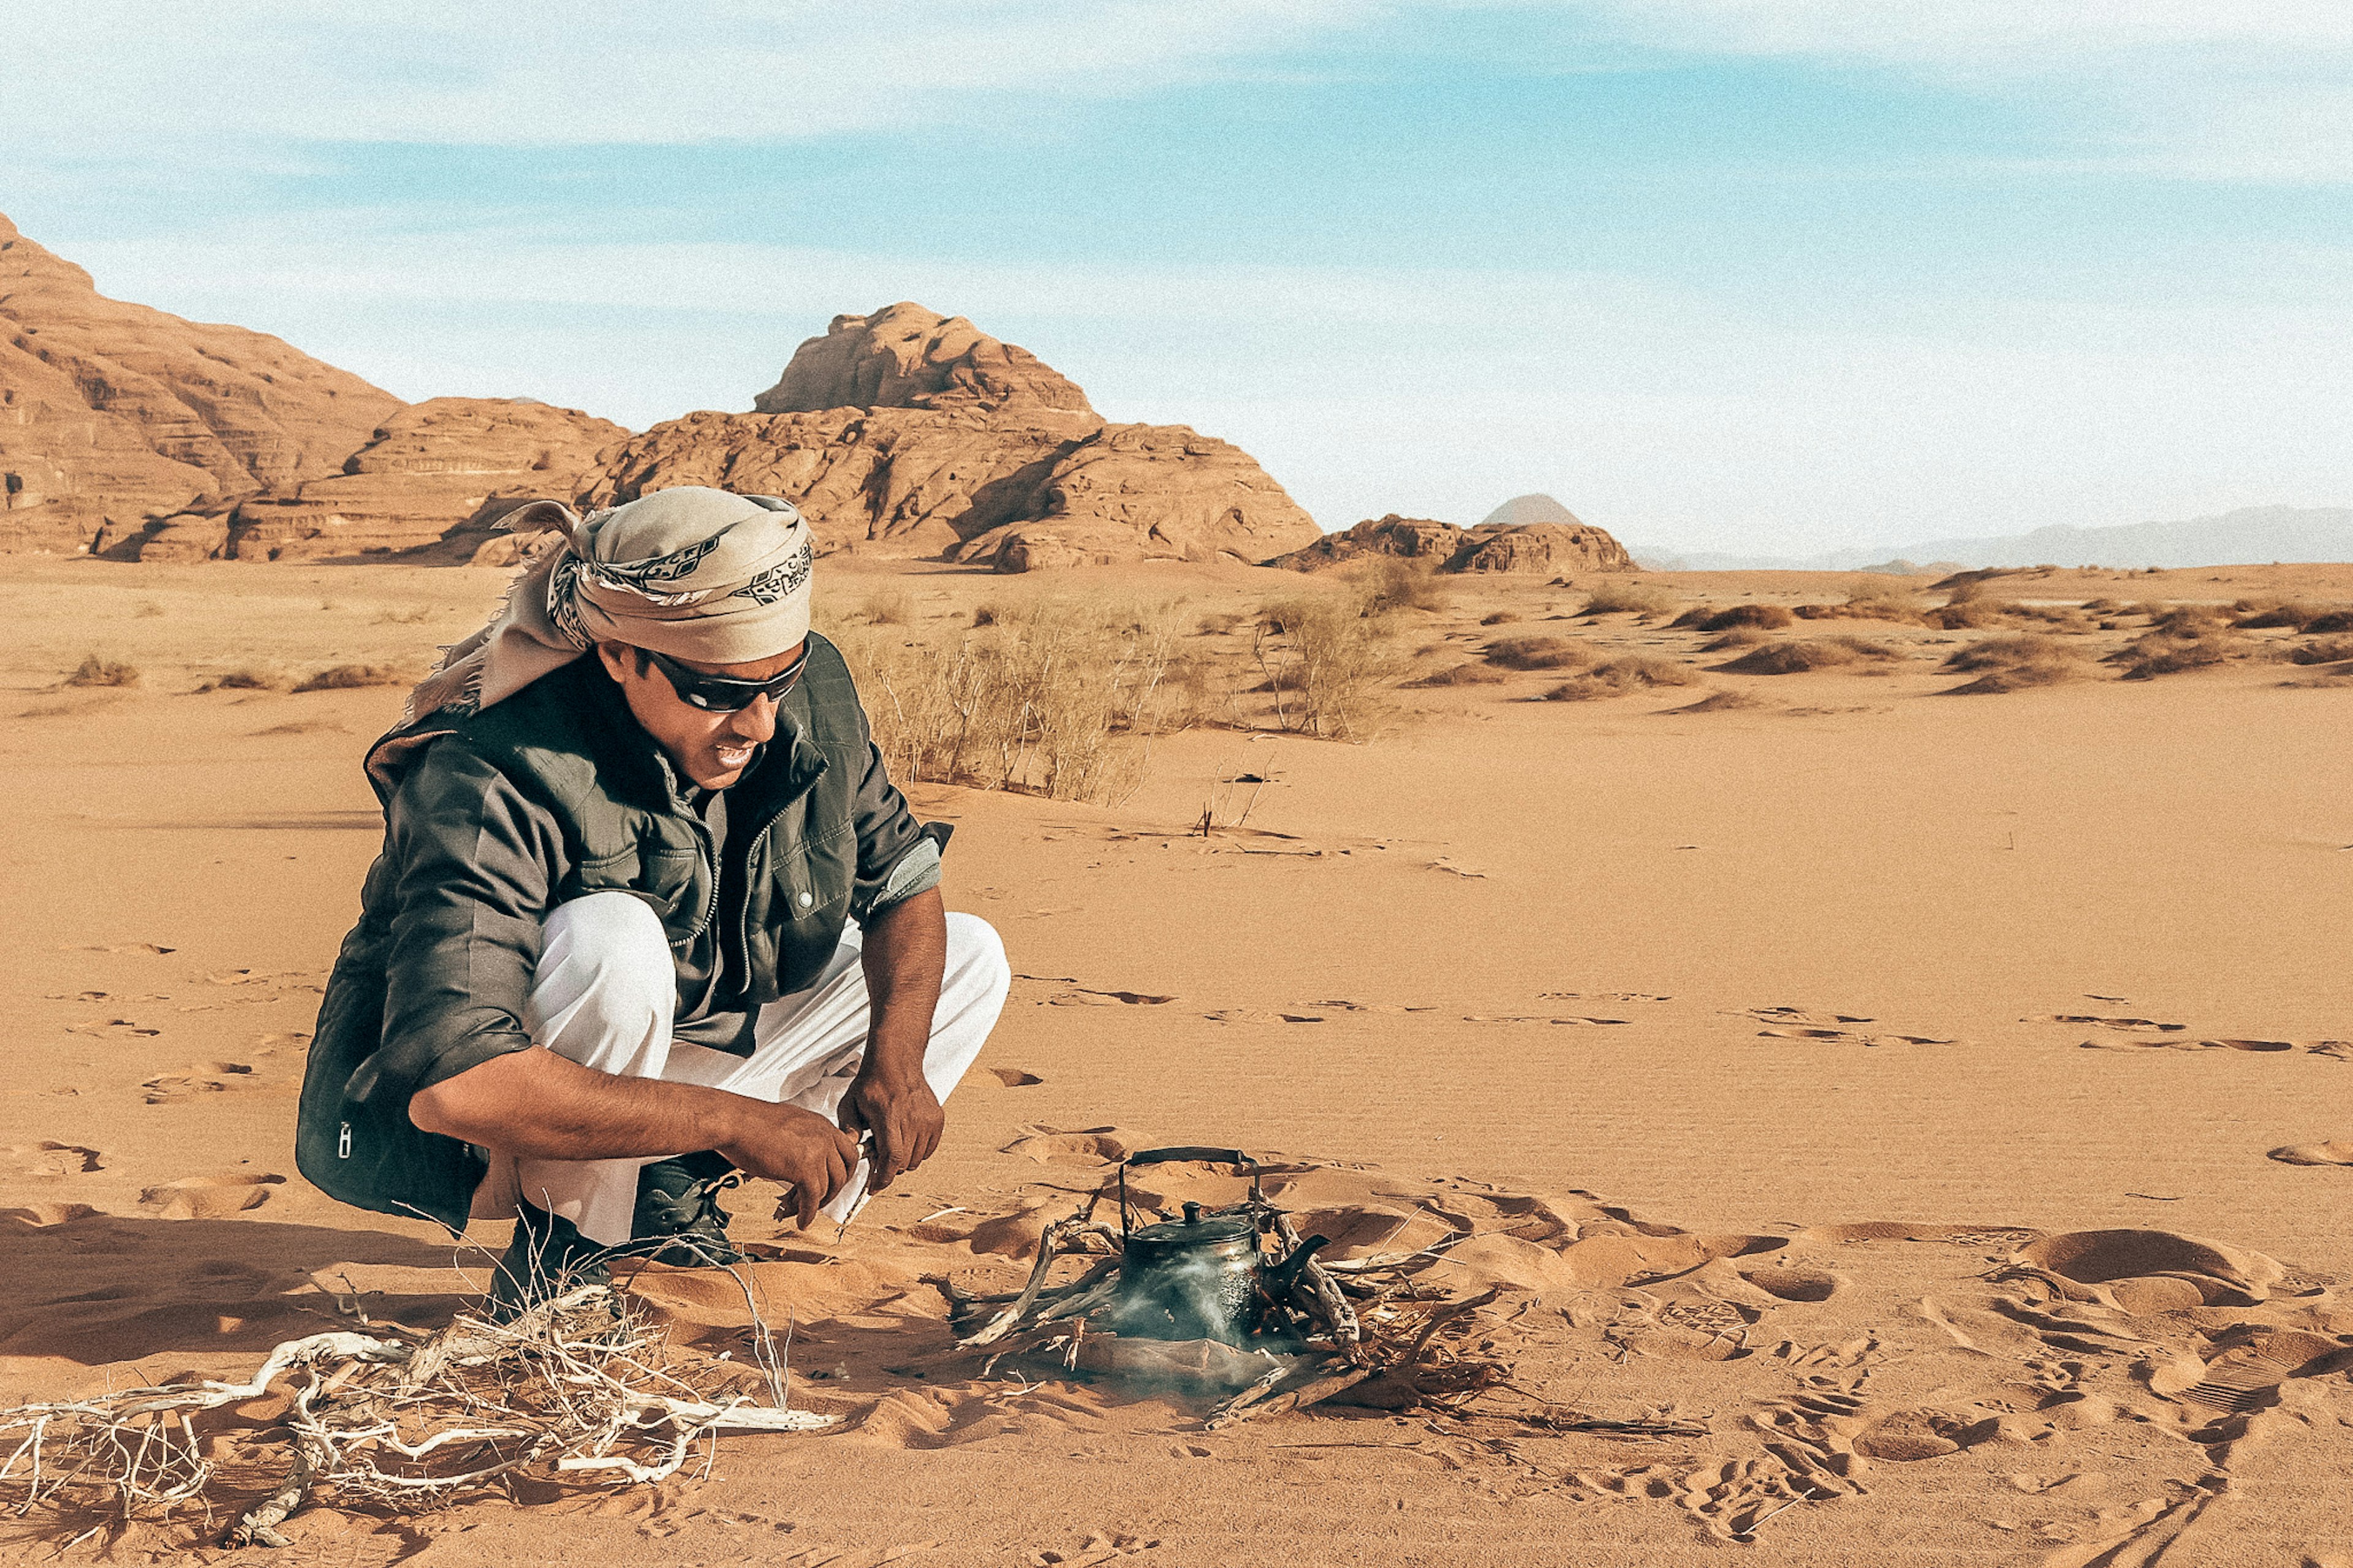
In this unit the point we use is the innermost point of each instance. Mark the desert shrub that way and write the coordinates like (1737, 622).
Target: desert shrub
(1798, 658)
(1739, 636)
(1615, 678)
(2328, 651)
(245, 680)
(2189, 621)
(1471, 674)
(2014, 664)
(1325, 666)
(984, 615)
(1499, 617)
(1637, 598)
(1055, 700)
(1720, 702)
(347, 677)
(2296, 616)
(2103, 607)
(2003, 653)
(1390, 583)
(96, 671)
(1972, 613)
(1758, 617)
(2333, 622)
(1533, 652)
(2172, 658)
(888, 605)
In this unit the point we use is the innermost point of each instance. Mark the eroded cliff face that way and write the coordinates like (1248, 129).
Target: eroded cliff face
(434, 478)
(114, 414)
(912, 434)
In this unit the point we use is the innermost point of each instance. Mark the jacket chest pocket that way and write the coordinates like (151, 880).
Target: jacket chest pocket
(673, 880)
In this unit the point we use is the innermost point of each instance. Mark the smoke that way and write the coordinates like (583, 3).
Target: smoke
(1186, 1297)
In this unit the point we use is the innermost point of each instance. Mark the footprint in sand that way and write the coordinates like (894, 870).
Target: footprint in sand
(209, 1197)
(47, 1160)
(2342, 1050)
(1081, 996)
(1082, 1146)
(2128, 1026)
(2338, 1151)
(1259, 1015)
(112, 1029)
(1014, 1078)
(1601, 996)
(197, 1077)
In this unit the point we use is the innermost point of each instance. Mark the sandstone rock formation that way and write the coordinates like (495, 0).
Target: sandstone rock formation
(908, 357)
(115, 413)
(1551, 547)
(911, 434)
(435, 475)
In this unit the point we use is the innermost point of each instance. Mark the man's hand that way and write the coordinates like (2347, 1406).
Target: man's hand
(785, 1143)
(904, 1116)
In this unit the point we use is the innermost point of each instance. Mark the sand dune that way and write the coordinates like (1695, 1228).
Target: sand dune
(1940, 1107)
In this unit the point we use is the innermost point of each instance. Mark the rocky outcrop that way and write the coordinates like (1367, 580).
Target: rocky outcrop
(113, 415)
(908, 357)
(1491, 547)
(1522, 511)
(1540, 547)
(433, 478)
(1413, 538)
(955, 445)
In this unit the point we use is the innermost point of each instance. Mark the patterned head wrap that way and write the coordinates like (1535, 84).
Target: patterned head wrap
(692, 572)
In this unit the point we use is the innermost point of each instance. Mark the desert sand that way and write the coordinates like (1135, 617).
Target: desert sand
(1832, 1024)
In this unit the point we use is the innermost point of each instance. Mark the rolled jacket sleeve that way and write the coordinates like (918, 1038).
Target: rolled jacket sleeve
(897, 855)
(477, 861)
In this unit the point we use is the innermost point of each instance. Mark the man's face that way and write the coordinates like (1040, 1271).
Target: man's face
(711, 749)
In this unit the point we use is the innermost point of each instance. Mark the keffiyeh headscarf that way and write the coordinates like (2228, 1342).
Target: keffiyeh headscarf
(692, 572)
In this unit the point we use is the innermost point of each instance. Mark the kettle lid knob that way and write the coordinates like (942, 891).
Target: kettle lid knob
(1192, 1213)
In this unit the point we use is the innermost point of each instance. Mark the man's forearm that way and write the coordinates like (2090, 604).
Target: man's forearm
(540, 1106)
(904, 954)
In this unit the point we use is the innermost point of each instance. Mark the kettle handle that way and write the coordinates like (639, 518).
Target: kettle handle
(1182, 1152)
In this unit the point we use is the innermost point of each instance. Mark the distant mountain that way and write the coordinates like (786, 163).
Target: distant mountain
(2250, 535)
(1521, 511)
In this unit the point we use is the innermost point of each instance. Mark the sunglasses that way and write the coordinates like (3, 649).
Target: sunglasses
(717, 693)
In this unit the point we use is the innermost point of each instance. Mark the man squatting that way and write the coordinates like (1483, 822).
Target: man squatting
(649, 911)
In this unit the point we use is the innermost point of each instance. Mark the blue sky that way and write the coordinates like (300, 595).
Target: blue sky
(1771, 276)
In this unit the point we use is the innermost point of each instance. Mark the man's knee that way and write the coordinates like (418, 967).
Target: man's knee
(606, 955)
(976, 956)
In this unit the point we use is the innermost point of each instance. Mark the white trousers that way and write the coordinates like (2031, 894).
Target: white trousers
(604, 995)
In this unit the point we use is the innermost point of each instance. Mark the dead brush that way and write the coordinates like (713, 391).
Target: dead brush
(245, 680)
(582, 1389)
(2334, 622)
(1617, 676)
(1390, 582)
(351, 676)
(1803, 657)
(1471, 673)
(96, 671)
(1868, 601)
(2014, 664)
(1629, 598)
(1538, 652)
(1053, 699)
(1755, 618)
(2185, 638)
(1324, 664)
(2328, 651)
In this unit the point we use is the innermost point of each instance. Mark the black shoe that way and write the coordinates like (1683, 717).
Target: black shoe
(679, 1220)
(547, 1258)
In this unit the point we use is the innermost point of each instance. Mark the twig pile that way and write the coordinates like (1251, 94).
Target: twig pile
(580, 1386)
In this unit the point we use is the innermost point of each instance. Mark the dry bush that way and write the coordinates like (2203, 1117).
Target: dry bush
(96, 671)
(2005, 653)
(1873, 600)
(2259, 616)
(1397, 583)
(1499, 617)
(1721, 702)
(1800, 658)
(1739, 636)
(1758, 617)
(1471, 674)
(2147, 662)
(348, 677)
(1617, 676)
(1635, 598)
(1535, 652)
(247, 679)
(2333, 622)
(1968, 615)
(1325, 667)
(890, 605)
(2189, 621)
(2328, 651)
(1054, 699)
(2014, 664)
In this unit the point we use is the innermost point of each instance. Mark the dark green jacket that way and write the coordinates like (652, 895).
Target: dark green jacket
(493, 820)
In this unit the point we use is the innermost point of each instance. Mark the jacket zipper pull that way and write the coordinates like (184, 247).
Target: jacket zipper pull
(343, 1142)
